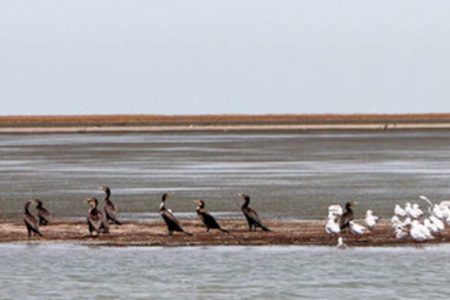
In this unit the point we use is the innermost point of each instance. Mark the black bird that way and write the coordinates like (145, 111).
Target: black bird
(347, 216)
(251, 215)
(43, 213)
(95, 219)
(110, 208)
(171, 222)
(206, 217)
(30, 221)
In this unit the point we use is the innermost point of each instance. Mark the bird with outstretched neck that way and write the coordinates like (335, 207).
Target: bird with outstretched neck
(252, 217)
(30, 221)
(168, 217)
(110, 208)
(348, 215)
(43, 213)
(95, 219)
(208, 220)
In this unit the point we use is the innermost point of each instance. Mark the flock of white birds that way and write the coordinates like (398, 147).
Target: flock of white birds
(408, 221)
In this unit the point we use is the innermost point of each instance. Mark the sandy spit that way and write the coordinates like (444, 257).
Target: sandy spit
(308, 233)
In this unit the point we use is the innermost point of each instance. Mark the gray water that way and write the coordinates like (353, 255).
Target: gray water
(294, 175)
(81, 272)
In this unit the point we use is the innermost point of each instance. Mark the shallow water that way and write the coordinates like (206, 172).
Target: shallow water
(82, 272)
(295, 175)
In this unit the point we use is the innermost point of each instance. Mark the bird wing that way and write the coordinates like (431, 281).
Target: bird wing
(253, 216)
(96, 220)
(44, 213)
(345, 219)
(171, 220)
(32, 223)
(210, 220)
(111, 211)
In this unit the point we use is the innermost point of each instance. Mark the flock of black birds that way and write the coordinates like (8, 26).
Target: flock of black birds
(98, 221)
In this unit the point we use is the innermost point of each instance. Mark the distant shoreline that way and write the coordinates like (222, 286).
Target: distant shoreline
(219, 123)
(219, 128)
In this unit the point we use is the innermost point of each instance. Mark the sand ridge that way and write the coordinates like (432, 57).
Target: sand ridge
(154, 233)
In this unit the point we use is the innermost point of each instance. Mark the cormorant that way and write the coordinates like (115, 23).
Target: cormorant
(30, 221)
(344, 222)
(206, 217)
(171, 222)
(43, 213)
(251, 215)
(110, 208)
(95, 219)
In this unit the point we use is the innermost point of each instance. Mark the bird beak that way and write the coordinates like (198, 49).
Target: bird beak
(240, 195)
(355, 202)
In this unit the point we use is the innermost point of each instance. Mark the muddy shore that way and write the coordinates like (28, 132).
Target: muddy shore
(307, 233)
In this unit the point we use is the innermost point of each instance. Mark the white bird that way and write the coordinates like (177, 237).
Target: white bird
(400, 232)
(356, 228)
(417, 210)
(335, 210)
(406, 222)
(408, 209)
(341, 244)
(371, 220)
(445, 203)
(420, 232)
(438, 222)
(431, 226)
(445, 212)
(428, 201)
(413, 211)
(437, 211)
(332, 227)
(399, 211)
(395, 220)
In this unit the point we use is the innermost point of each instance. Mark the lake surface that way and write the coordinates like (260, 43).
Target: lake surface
(79, 272)
(290, 175)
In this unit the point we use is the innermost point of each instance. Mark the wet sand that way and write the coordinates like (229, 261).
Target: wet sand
(306, 233)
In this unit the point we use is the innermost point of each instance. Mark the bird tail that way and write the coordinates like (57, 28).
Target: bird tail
(117, 222)
(264, 228)
(38, 232)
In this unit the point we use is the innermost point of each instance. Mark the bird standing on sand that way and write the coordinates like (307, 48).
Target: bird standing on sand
(332, 226)
(251, 215)
(399, 211)
(419, 232)
(168, 217)
(95, 219)
(357, 229)
(207, 219)
(110, 208)
(30, 221)
(43, 213)
(345, 219)
(371, 220)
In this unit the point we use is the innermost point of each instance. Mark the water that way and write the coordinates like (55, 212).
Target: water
(81, 272)
(290, 175)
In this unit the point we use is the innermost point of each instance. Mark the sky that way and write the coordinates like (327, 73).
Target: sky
(224, 57)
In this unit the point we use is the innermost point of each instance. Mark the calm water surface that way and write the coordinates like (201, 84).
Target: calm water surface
(81, 272)
(294, 175)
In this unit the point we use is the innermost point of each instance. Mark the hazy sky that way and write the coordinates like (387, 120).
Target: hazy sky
(195, 57)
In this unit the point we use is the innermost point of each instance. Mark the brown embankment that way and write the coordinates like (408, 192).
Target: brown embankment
(154, 233)
(112, 123)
